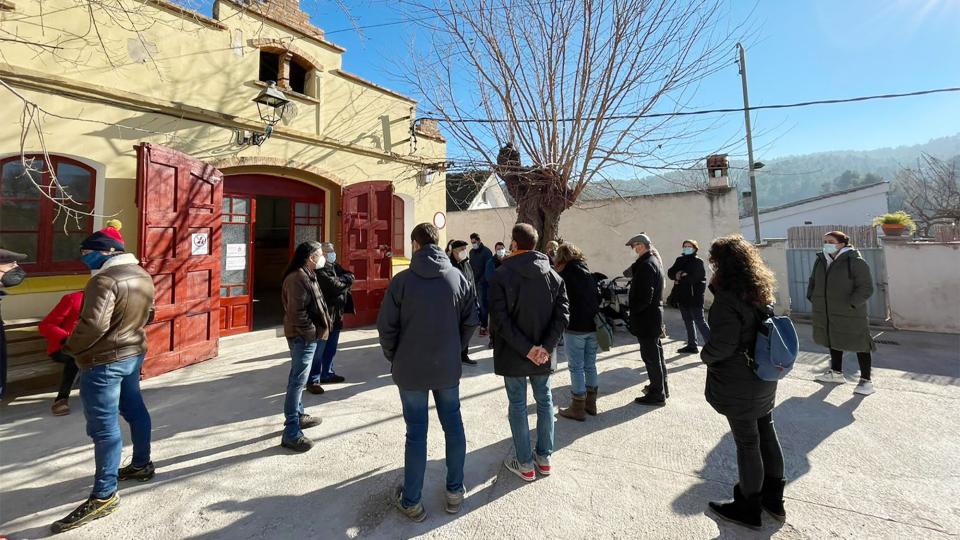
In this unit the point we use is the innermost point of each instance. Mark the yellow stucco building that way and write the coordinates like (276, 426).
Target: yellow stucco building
(145, 113)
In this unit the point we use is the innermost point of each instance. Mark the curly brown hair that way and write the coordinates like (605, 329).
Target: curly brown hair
(738, 268)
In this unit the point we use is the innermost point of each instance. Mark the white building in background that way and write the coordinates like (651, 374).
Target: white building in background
(476, 190)
(856, 206)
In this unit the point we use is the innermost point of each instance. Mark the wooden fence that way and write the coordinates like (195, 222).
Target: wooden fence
(811, 236)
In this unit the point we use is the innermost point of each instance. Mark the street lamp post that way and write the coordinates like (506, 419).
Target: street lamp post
(751, 169)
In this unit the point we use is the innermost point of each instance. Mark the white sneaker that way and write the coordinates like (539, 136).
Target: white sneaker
(831, 376)
(864, 388)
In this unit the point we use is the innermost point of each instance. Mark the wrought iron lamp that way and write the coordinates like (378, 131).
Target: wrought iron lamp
(271, 104)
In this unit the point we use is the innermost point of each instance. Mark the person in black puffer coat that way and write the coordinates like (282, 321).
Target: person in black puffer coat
(528, 312)
(580, 338)
(743, 286)
(690, 284)
(460, 258)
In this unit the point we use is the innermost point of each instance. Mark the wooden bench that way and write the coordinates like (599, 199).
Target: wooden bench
(28, 366)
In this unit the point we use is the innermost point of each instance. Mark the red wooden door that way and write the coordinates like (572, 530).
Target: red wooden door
(180, 200)
(367, 232)
(236, 267)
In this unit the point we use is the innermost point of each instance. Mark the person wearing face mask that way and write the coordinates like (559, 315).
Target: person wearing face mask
(480, 256)
(335, 283)
(306, 325)
(840, 286)
(499, 254)
(460, 257)
(108, 345)
(690, 277)
(646, 317)
(11, 275)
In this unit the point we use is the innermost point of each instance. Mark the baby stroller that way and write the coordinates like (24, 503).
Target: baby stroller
(614, 298)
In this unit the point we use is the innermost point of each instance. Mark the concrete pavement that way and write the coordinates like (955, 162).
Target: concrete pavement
(884, 466)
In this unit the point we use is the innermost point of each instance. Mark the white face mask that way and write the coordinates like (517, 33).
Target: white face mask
(475, 246)
(501, 253)
(461, 255)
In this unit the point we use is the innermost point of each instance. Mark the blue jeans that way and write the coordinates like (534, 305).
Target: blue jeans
(483, 291)
(694, 315)
(517, 396)
(415, 456)
(301, 356)
(323, 359)
(107, 392)
(581, 361)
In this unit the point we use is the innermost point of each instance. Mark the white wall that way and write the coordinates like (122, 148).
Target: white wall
(924, 280)
(600, 228)
(774, 253)
(855, 208)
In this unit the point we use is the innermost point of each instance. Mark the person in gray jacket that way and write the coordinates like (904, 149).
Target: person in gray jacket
(423, 341)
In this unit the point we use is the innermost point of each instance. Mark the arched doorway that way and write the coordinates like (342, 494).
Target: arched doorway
(264, 218)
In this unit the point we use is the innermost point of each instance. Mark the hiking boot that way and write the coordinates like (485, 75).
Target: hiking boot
(576, 411)
(454, 501)
(315, 388)
(524, 471)
(542, 464)
(590, 406)
(88, 511)
(646, 390)
(742, 510)
(467, 360)
(415, 513)
(141, 474)
(831, 376)
(60, 407)
(689, 349)
(308, 421)
(333, 379)
(654, 400)
(771, 498)
(301, 444)
(864, 388)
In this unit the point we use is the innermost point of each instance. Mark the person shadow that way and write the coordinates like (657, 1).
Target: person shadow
(802, 422)
(363, 504)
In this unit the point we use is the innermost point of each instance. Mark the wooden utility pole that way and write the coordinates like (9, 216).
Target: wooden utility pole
(751, 171)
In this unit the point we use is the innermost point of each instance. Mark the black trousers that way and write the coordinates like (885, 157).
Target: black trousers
(758, 452)
(864, 358)
(70, 371)
(651, 352)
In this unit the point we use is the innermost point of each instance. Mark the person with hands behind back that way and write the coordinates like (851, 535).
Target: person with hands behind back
(529, 311)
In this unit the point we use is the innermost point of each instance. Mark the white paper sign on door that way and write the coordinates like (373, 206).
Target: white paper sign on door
(236, 250)
(236, 263)
(200, 244)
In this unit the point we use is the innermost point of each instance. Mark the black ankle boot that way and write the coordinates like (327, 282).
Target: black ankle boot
(771, 498)
(742, 511)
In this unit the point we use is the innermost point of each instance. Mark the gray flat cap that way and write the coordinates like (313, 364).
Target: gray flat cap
(638, 239)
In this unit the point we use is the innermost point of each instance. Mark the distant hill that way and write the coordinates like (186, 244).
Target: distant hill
(791, 178)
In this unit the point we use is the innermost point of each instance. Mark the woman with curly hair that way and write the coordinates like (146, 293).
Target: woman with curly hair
(743, 289)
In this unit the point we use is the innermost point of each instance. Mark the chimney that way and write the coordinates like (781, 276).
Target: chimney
(284, 12)
(718, 170)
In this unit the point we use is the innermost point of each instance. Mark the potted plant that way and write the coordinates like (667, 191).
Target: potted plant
(894, 223)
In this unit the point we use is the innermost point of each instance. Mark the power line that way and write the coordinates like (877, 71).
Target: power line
(695, 113)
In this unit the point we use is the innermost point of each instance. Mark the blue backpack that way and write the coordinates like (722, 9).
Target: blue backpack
(777, 346)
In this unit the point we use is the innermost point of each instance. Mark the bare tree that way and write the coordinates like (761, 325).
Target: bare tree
(569, 83)
(932, 193)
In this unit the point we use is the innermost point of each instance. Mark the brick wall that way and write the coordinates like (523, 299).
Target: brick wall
(285, 12)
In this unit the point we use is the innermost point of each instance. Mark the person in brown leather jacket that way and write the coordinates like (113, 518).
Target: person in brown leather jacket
(108, 345)
(306, 324)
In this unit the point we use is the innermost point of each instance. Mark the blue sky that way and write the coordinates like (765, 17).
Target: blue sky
(799, 50)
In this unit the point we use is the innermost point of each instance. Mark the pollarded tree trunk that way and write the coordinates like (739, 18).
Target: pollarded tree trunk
(542, 194)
